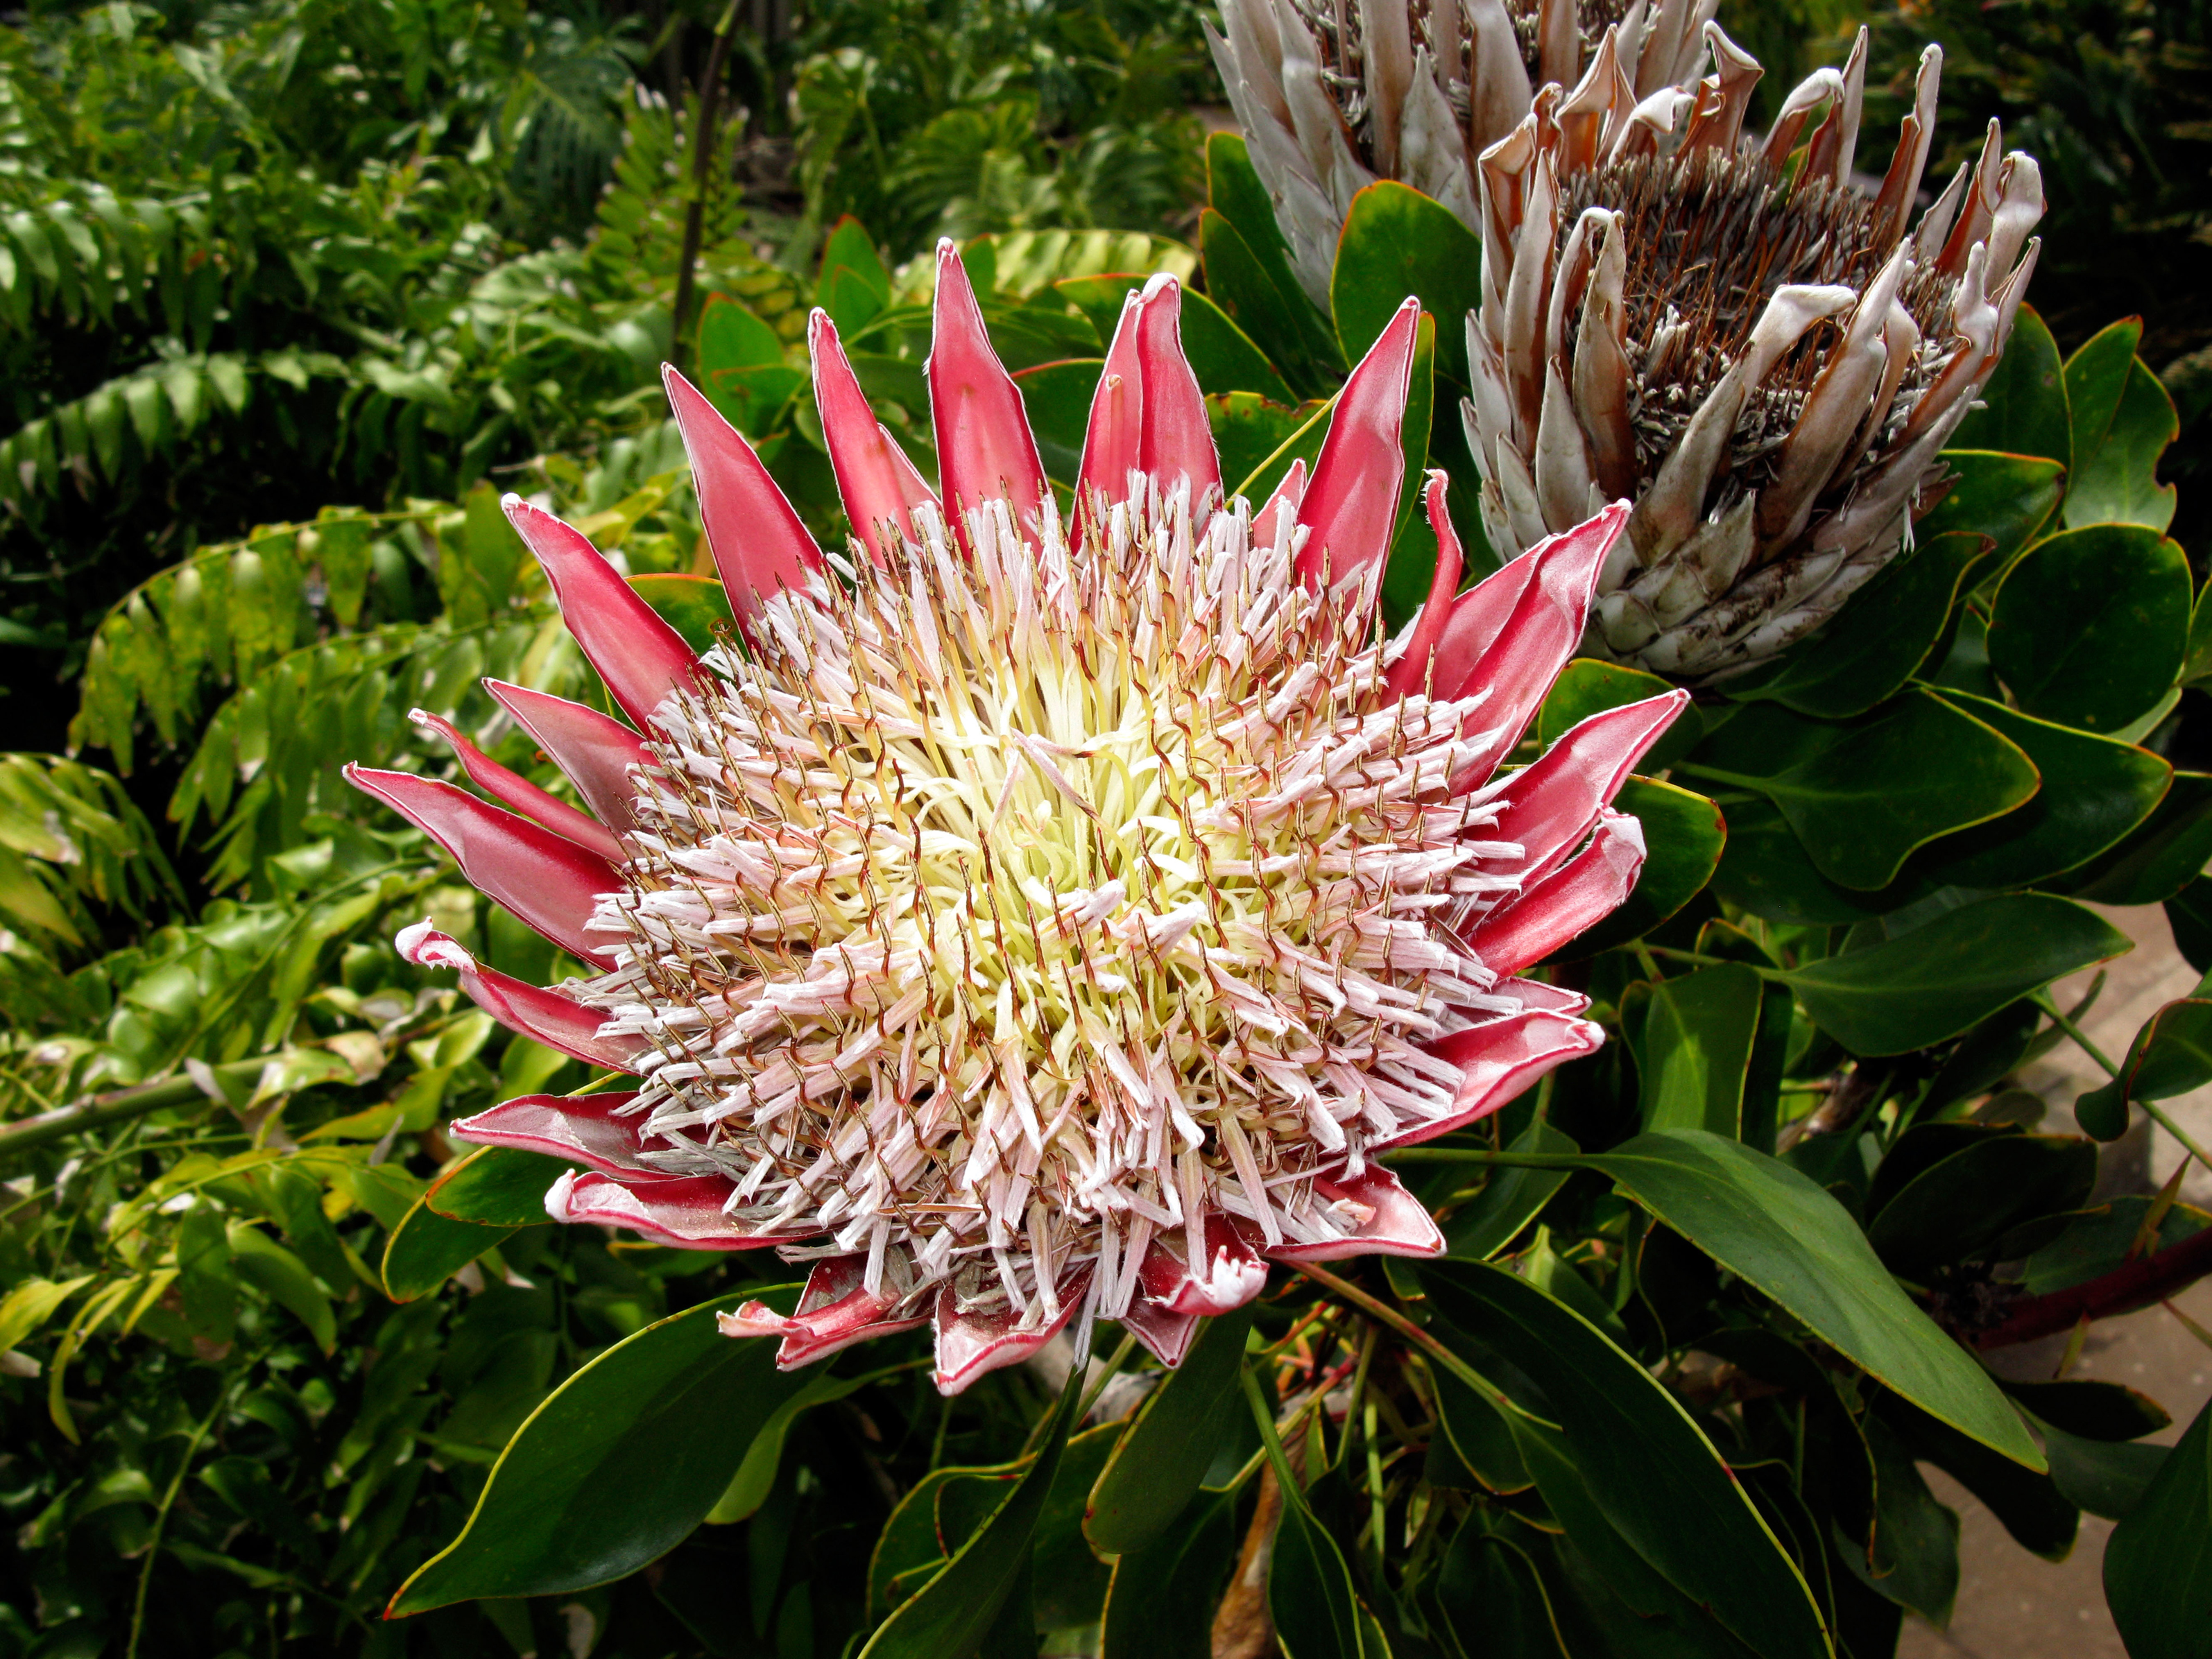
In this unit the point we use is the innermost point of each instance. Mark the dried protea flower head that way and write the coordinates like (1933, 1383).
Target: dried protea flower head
(1333, 95)
(1033, 912)
(1729, 332)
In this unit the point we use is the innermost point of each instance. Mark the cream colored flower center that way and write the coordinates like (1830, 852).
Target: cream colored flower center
(1006, 911)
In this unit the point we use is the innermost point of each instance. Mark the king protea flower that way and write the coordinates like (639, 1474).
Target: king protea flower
(1728, 332)
(1035, 911)
(1332, 96)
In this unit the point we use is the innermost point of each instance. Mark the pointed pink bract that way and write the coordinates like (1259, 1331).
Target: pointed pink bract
(1351, 508)
(547, 1017)
(593, 752)
(640, 657)
(1410, 673)
(984, 449)
(1581, 892)
(514, 790)
(1552, 803)
(760, 546)
(588, 1129)
(547, 881)
(877, 483)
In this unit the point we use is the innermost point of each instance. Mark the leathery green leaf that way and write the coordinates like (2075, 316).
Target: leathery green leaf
(2123, 421)
(2008, 498)
(1159, 1603)
(1692, 1035)
(695, 606)
(2094, 790)
(495, 1187)
(954, 1612)
(1862, 795)
(1870, 649)
(1645, 1463)
(2023, 408)
(1156, 1469)
(2160, 857)
(1396, 242)
(1776, 1229)
(1935, 982)
(426, 1248)
(616, 1467)
(2091, 627)
(2158, 1565)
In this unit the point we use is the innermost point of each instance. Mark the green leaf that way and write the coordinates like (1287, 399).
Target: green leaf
(2170, 1054)
(1965, 1202)
(1258, 440)
(616, 1467)
(2188, 913)
(1070, 1580)
(748, 1487)
(2160, 857)
(2158, 1564)
(2122, 420)
(951, 1614)
(1764, 870)
(1156, 1470)
(1309, 1593)
(2039, 1515)
(1692, 1039)
(2091, 627)
(2105, 1479)
(731, 337)
(1160, 1601)
(2093, 791)
(1396, 242)
(1510, 1200)
(751, 398)
(695, 606)
(1684, 835)
(1058, 398)
(426, 1248)
(1916, 1539)
(495, 1187)
(2093, 1411)
(1587, 686)
(1301, 343)
(1862, 795)
(1648, 1468)
(1935, 982)
(1480, 1435)
(2023, 407)
(2008, 498)
(261, 1261)
(1868, 651)
(1280, 322)
(1491, 1594)
(1780, 1231)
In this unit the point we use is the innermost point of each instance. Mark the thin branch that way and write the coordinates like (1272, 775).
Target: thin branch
(2136, 1284)
(702, 158)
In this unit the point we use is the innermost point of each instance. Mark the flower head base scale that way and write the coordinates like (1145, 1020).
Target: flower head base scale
(1034, 913)
(1728, 332)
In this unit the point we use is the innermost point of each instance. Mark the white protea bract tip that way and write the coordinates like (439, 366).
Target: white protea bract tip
(1038, 915)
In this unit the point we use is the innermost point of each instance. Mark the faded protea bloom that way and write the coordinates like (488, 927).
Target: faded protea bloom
(1333, 96)
(1728, 332)
(1035, 913)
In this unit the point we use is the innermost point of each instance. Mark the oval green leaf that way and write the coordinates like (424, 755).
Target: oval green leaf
(1645, 1463)
(616, 1467)
(426, 1248)
(2095, 790)
(2008, 498)
(2091, 627)
(2123, 421)
(2158, 1564)
(1776, 1229)
(954, 1612)
(1156, 1469)
(495, 1187)
(2160, 857)
(1932, 983)
(1396, 242)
